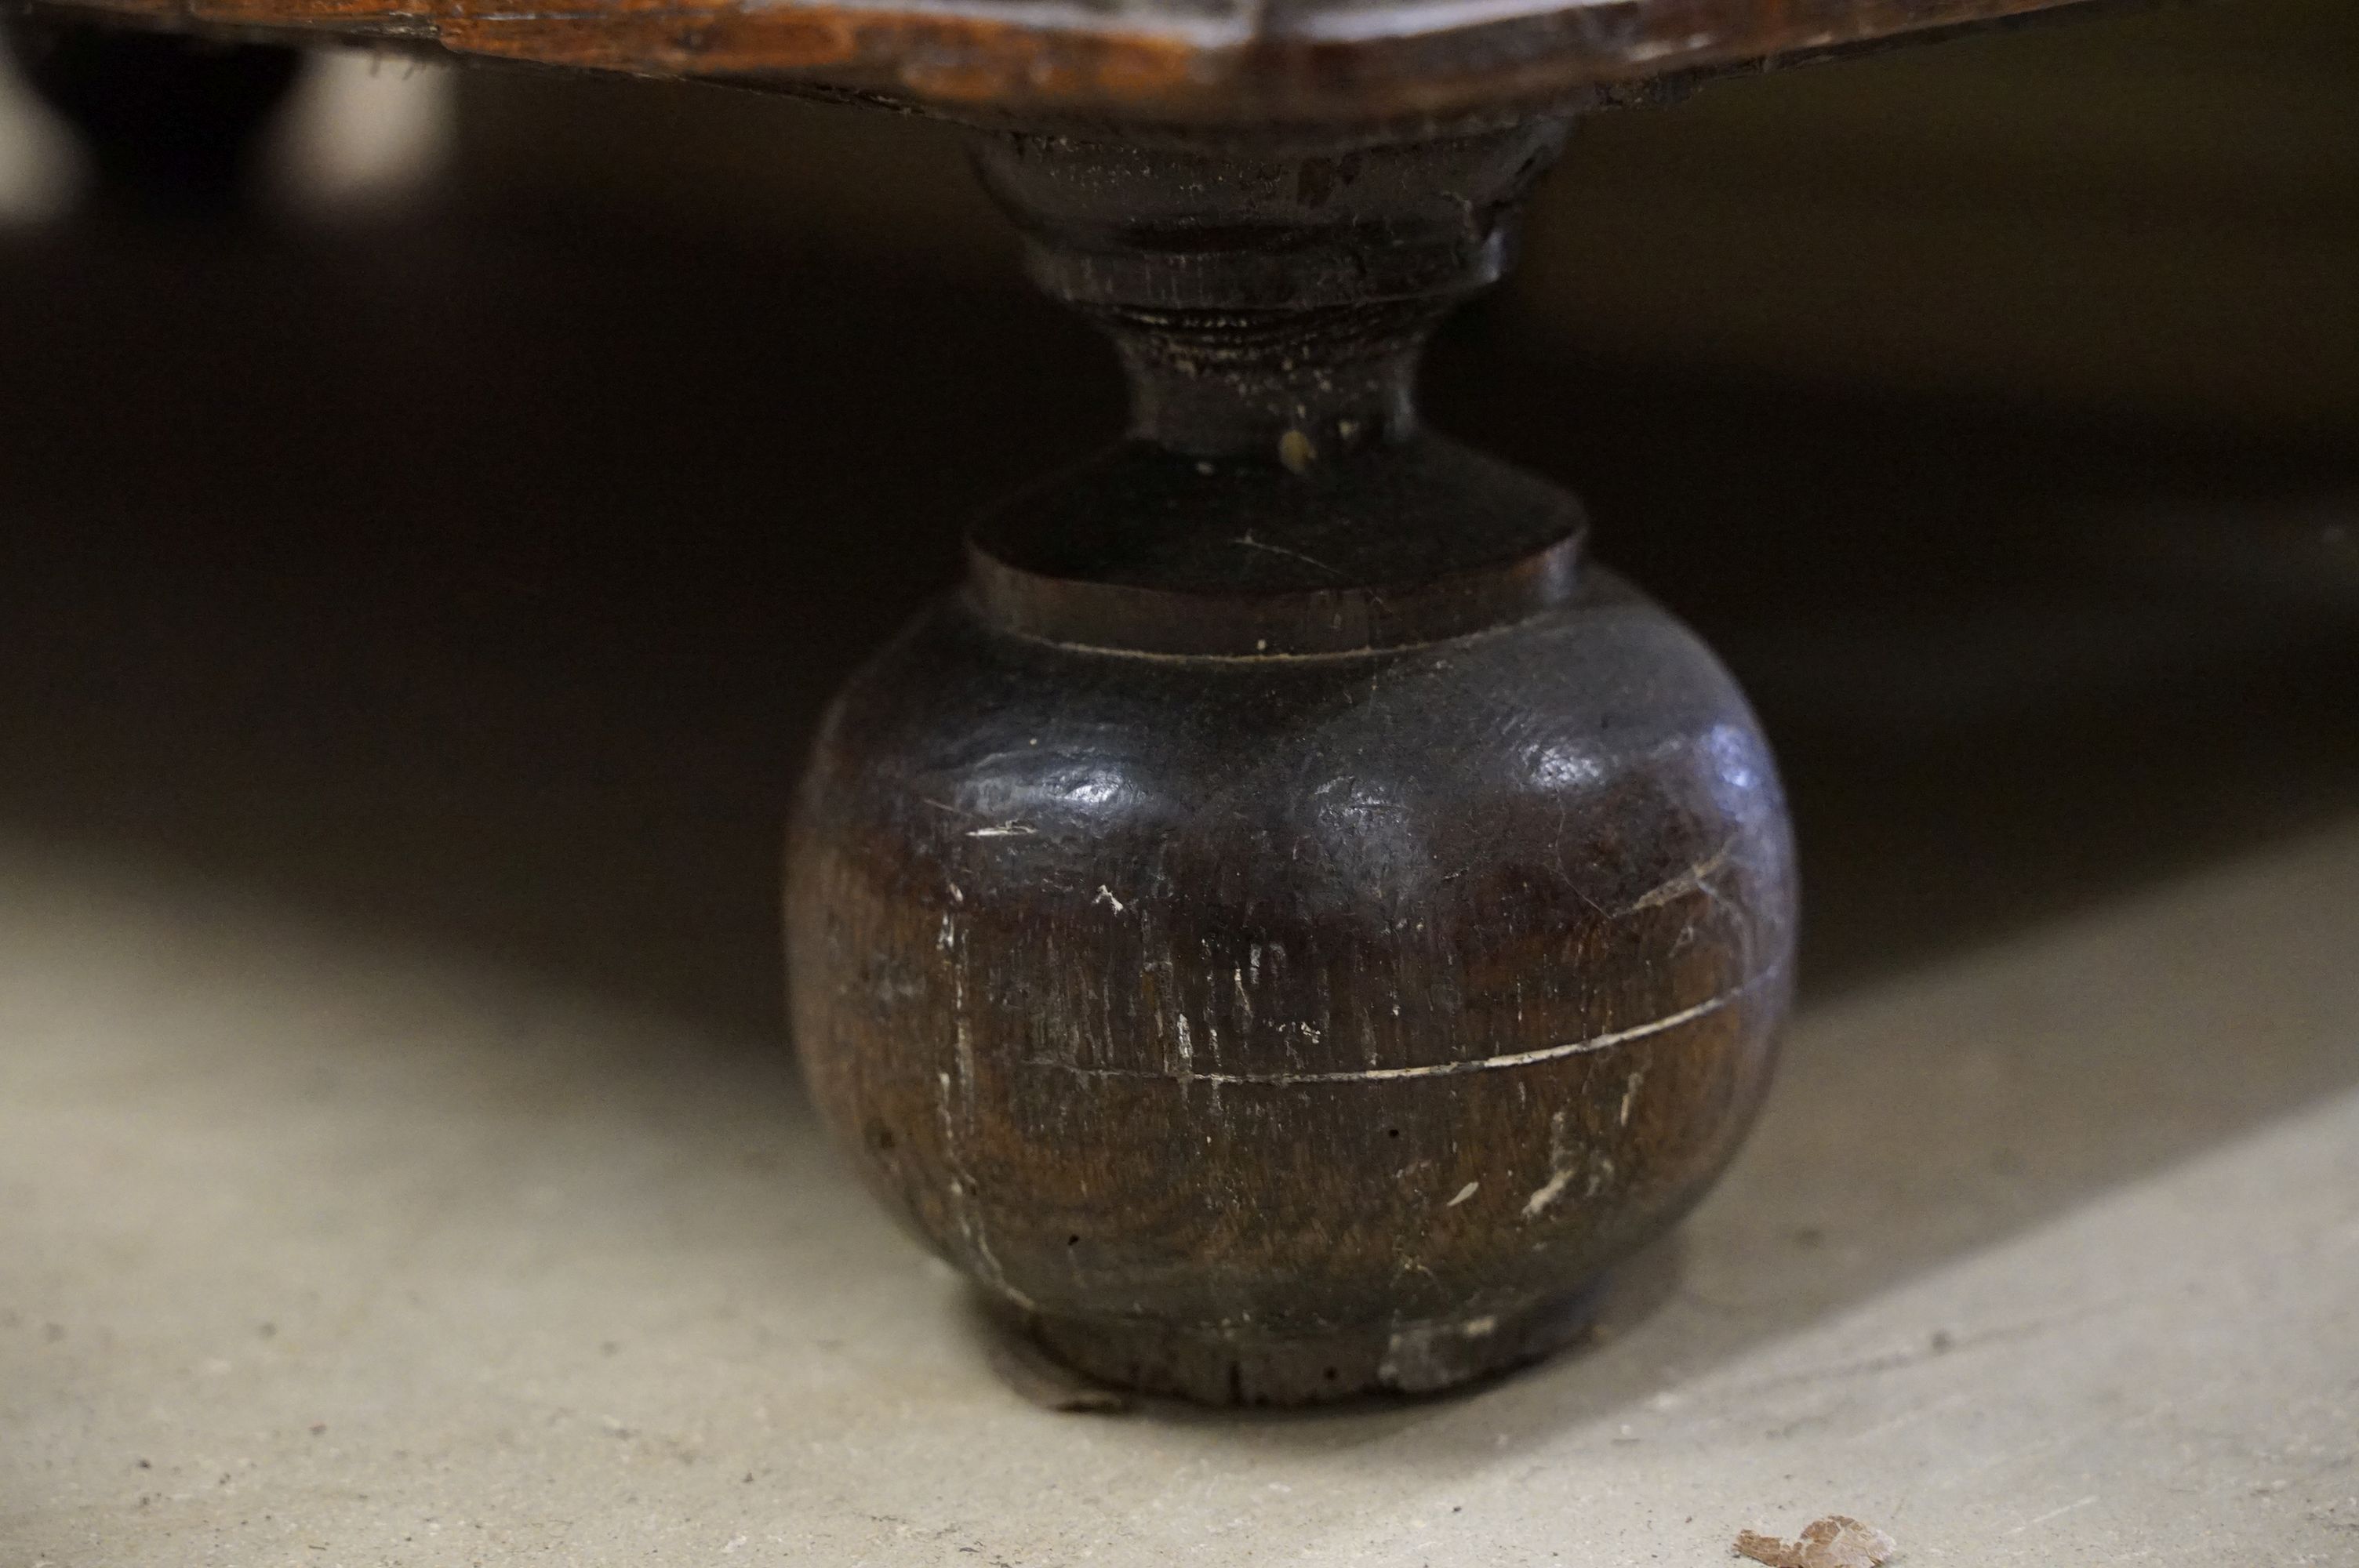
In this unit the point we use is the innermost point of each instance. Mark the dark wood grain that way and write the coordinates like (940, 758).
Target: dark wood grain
(1291, 923)
(1311, 63)
(1280, 1030)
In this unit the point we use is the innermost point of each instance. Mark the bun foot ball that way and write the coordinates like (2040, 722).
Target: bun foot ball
(1289, 923)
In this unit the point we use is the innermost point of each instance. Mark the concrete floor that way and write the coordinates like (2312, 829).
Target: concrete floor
(321, 1251)
(399, 1163)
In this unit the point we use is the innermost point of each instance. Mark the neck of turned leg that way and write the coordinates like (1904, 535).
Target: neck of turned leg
(1267, 300)
(1303, 386)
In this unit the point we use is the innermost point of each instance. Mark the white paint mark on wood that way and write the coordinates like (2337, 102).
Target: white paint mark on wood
(1560, 1170)
(1546, 1195)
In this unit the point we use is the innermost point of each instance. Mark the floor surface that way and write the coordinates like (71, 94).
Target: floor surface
(406, 639)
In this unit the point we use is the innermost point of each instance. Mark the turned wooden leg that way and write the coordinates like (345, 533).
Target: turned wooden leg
(1289, 921)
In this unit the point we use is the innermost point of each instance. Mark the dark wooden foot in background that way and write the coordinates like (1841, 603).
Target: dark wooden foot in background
(170, 122)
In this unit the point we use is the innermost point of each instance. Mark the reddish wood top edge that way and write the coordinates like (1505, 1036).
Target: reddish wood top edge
(1305, 64)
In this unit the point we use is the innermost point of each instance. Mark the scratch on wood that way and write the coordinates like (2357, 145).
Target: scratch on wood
(1693, 880)
(1606, 1042)
(1249, 541)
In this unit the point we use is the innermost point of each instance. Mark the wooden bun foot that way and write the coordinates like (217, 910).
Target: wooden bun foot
(1290, 922)
(1389, 1359)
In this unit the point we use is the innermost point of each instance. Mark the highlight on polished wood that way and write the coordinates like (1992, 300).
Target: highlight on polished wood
(1174, 62)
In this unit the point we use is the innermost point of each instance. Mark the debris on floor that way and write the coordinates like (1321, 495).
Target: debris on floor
(1834, 1541)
